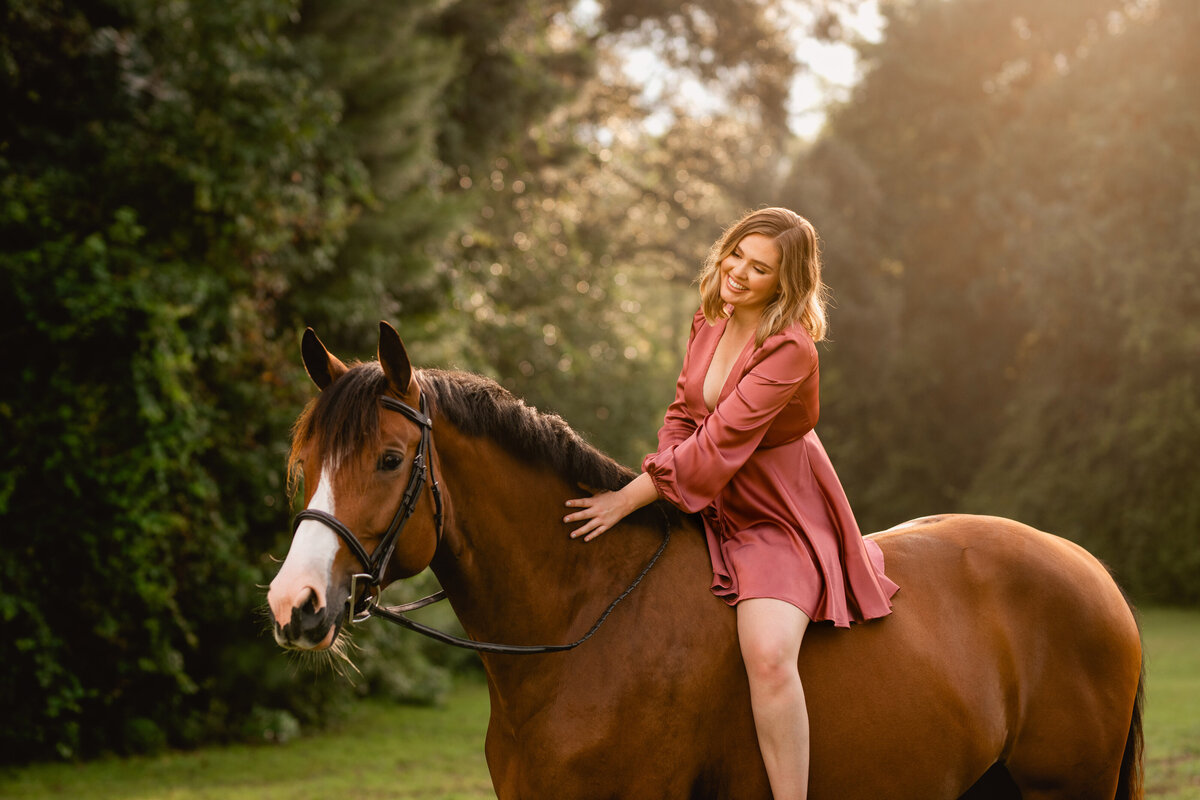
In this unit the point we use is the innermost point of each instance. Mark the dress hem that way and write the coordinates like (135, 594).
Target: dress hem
(732, 600)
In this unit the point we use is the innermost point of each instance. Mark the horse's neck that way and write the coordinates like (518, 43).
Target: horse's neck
(508, 565)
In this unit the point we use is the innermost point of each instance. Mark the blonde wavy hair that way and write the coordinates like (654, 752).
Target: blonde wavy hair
(802, 296)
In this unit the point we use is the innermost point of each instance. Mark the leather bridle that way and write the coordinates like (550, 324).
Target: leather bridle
(375, 564)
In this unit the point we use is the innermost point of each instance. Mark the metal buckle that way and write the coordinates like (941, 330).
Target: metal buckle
(369, 599)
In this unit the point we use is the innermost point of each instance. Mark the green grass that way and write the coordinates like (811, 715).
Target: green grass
(385, 752)
(1172, 724)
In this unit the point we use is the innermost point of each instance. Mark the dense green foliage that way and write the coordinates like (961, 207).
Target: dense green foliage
(1008, 203)
(166, 176)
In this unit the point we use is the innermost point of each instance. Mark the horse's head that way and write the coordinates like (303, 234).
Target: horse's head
(372, 512)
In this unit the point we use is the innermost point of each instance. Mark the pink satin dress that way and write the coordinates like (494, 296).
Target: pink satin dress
(776, 518)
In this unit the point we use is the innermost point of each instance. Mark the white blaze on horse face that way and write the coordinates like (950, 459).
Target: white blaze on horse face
(308, 568)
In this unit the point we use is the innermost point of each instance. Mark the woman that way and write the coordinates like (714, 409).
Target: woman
(738, 446)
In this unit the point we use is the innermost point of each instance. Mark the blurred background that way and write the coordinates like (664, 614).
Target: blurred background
(1008, 193)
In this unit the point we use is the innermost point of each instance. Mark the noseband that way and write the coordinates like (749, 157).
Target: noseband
(375, 564)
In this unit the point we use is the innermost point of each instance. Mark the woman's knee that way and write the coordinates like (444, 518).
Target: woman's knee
(771, 660)
(769, 633)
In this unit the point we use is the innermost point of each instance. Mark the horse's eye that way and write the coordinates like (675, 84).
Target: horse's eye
(390, 462)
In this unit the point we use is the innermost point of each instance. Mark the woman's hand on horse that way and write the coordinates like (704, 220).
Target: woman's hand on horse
(603, 510)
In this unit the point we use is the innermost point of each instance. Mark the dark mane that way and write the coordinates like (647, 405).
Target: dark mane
(344, 419)
(479, 406)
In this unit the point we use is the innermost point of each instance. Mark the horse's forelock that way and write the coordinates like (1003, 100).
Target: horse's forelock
(341, 420)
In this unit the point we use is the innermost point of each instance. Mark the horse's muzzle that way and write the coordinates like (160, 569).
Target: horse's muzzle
(312, 624)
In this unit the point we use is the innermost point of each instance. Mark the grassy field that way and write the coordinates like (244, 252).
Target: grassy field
(385, 752)
(1172, 639)
(390, 753)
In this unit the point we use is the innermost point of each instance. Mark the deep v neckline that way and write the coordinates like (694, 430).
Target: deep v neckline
(733, 368)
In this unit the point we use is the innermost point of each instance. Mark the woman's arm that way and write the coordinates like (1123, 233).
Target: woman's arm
(606, 509)
(693, 472)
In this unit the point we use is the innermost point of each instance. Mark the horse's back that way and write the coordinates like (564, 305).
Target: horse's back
(1010, 580)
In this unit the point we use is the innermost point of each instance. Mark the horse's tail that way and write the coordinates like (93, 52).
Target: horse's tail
(1129, 780)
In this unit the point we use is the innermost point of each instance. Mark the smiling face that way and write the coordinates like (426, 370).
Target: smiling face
(767, 263)
(750, 274)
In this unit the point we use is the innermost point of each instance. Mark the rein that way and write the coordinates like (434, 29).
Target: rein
(396, 614)
(376, 564)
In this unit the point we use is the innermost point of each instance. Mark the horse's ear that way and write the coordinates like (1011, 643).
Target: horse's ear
(323, 366)
(394, 360)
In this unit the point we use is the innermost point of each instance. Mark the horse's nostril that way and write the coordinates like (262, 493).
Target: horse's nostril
(308, 602)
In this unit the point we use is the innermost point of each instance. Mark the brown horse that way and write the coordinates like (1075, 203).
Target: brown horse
(1011, 666)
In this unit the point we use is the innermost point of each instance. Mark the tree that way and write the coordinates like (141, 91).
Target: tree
(1099, 438)
(1008, 246)
(166, 174)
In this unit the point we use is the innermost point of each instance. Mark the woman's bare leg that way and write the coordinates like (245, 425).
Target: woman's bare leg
(770, 632)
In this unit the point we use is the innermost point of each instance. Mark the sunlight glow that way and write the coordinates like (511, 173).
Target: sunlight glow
(828, 73)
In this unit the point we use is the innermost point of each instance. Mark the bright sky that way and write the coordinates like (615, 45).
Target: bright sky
(832, 68)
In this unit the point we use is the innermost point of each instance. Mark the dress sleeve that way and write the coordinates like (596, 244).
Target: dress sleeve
(691, 473)
(678, 423)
